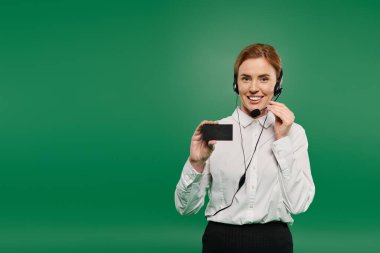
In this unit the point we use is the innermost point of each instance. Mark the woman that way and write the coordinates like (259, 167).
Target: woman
(259, 179)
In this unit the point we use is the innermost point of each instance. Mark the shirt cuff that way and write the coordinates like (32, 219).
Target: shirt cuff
(283, 151)
(190, 175)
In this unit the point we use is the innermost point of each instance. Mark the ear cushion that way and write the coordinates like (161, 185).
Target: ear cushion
(235, 87)
(277, 87)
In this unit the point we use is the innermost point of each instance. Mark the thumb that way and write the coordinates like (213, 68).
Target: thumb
(211, 144)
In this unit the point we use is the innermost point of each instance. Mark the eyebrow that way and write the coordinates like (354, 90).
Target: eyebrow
(263, 75)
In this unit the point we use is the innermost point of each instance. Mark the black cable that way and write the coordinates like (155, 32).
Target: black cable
(243, 177)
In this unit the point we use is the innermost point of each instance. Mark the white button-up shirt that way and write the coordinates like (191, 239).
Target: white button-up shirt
(278, 181)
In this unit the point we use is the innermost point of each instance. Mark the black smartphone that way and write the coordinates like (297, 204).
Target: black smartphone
(221, 132)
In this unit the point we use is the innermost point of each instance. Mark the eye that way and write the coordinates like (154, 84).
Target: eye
(264, 79)
(244, 78)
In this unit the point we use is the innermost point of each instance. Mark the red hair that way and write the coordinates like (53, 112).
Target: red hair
(256, 51)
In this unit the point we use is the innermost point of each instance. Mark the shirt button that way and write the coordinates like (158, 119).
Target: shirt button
(250, 206)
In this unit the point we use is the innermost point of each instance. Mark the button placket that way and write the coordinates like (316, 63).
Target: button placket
(252, 170)
(253, 180)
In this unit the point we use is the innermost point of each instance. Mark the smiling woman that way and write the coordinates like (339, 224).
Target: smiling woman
(256, 71)
(256, 83)
(251, 199)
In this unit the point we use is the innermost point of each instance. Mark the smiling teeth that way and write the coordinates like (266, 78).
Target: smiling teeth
(254, 98)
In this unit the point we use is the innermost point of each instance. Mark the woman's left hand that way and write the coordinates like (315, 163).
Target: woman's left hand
(284, 118)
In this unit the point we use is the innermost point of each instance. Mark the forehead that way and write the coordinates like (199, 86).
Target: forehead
(256, 66)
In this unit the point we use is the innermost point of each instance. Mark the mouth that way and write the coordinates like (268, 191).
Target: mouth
(254, 99)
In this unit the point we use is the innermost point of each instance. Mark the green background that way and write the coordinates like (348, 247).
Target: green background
(99, 99)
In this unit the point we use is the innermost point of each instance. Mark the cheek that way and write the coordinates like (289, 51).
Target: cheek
(268, 89)
(242, 97)
(243, 88)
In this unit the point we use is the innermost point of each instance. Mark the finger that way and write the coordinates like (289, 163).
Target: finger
(205, 122)
(283, 109)
(277, 112)
(275, 108)
(198, 130)
(271, 102)
(212, 142)
(282, 105)
(277, 104)
(201, 124)
(285, 117)
(197, 136)
(278, 108)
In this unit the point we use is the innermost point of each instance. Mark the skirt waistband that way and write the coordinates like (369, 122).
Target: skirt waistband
(267, 224)
(273, 236)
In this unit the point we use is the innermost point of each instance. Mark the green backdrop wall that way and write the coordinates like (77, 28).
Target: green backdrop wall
(99, 99)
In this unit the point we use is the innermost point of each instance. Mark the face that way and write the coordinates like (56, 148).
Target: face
(256, 80)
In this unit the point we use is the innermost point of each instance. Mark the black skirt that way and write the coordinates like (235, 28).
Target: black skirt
(271, 237)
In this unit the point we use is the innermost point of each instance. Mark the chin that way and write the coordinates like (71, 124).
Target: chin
(251, 107)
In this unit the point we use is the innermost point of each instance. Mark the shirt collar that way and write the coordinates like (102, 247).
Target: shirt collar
(246, 120)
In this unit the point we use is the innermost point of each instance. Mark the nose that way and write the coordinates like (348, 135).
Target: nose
(254, 86)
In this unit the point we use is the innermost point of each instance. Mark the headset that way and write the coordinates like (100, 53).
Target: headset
(277, 92)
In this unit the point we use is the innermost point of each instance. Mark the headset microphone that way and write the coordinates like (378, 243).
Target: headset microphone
(256, 112)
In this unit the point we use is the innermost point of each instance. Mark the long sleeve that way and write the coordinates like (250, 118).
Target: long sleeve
(190, 191)
(295, 177)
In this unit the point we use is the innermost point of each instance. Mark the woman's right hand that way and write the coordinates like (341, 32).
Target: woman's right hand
(200, 150)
